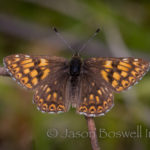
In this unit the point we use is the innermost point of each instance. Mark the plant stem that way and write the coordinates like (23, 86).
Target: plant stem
(92, 133)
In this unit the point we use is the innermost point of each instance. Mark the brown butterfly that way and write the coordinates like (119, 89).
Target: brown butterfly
(87, 85)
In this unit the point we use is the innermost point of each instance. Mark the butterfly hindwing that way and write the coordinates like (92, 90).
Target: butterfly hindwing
(95, 98)
(118, 73)
(51, 96)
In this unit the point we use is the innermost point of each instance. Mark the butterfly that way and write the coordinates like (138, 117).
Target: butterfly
(88, 85)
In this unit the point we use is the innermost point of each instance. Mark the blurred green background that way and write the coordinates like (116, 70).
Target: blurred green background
(26, 27)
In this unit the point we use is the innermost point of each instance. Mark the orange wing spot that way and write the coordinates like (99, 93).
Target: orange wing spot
(18, 75)
(105, 104)
(143, 66)
(16, 70)
(97, 99)
(43, 62)
(14, 65)
(26, 71)
(85, 100)
(122, 68)
(42, 68)
(125, 83)
(125, 64)
(29, 85)
(9, 62)
(28, 65)
(104, 75)
(48, 90)
(52, 107)
(92, 110)
(108, 64)
(48, 97)
(24, 80)
(37, 98)
(116, 76)
(138, 70)
(108, 70)
(16, 59)
(26, 61)
(99, 92)
(40, 102)
(136, 63)
(124, 74)
(83, 109)
(34, 81)
(114, 83)
(54, 95)
(109, 100)
(33, 73)
(61, 108)
(132, 79)
(91, 97)
(99, 109)
(44, 107)
(45, 74)
(119, 89)
(134, 73)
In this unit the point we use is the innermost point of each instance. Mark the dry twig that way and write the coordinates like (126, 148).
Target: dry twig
(92, 133)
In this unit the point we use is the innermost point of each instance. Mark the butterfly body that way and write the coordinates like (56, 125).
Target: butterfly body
(87, 85)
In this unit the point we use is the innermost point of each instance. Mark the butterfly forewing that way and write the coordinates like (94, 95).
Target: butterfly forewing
(118, 73)
(30, 71)
(51, 95)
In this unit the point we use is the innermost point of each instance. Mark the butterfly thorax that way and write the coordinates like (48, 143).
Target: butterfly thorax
(75, 66)
(75, 69)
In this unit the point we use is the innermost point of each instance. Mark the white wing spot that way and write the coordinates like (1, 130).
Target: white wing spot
(27, 56)
(136, 59)
(16, 55)
(125, 59)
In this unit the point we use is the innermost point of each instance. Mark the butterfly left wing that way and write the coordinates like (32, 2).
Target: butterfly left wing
(48, 76)
(118, 73)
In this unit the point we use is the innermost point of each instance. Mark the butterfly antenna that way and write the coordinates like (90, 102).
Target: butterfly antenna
(86, 43)
(62, 38)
